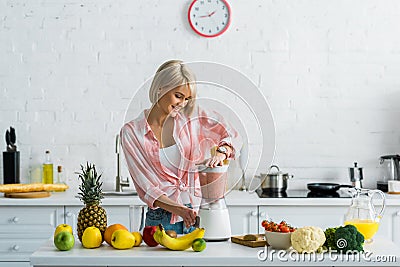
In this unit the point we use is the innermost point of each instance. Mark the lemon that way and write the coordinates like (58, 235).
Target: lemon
(199, 244)
(138, 238)
(91, 237)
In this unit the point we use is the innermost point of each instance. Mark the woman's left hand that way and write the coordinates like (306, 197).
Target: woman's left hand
(217, 160)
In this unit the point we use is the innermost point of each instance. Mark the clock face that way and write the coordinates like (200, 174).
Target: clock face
(209, 18)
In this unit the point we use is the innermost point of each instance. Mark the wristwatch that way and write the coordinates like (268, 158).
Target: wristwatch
(223, 150)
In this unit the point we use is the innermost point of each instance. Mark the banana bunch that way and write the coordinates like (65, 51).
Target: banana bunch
(179, 243)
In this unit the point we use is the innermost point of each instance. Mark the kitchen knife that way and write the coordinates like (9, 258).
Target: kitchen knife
(13, 138)
(197, 222)
(8, 140)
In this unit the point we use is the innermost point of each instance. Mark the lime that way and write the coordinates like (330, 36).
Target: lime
(199, 244)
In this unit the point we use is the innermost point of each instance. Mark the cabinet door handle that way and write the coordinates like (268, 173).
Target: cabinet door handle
(262, 214)
(398, 213)
(253, 213)
(15, 219)
(15, 248)
(69, 214)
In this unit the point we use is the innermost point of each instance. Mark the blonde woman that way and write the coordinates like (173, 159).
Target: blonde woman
(165, 142)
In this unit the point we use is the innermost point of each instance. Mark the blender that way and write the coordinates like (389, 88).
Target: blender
(213, 212)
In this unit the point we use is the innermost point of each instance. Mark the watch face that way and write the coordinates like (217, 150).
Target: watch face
(209, 18)
(222, 149)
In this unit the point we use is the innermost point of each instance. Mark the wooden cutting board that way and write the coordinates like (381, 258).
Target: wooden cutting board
(28, 194)
(260, 242)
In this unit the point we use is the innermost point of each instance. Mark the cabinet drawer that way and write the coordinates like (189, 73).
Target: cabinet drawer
(115, 214)
(28, 219)
(16, 247)
(15, 264)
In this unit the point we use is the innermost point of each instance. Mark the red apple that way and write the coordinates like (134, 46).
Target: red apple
(148, 233)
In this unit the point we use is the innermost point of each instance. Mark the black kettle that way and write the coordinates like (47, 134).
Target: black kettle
(391, 171)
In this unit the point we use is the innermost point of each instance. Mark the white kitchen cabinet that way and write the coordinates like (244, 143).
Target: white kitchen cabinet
(115, 214)
(15, 264)
(137, 218)
(23, 229)
(247, 219)
(390, 224)
(244, 219)
(395, 215)
(299, 216)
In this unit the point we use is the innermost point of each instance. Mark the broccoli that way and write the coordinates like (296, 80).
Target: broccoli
(348, 238)
(330, 238)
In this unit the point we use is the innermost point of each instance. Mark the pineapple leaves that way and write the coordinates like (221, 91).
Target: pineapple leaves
(90, 187)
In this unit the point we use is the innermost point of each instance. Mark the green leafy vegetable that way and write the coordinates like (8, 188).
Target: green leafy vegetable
(348, 238)
(330, 242)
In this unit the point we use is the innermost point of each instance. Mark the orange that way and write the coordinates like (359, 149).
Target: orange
(110, 230)
(138, 238)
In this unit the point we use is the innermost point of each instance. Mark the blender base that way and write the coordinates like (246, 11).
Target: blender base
(217, 224)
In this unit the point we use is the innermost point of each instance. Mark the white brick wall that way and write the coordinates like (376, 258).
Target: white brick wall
(329, 69)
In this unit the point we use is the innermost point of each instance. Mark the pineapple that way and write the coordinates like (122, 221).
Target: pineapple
(91, 194)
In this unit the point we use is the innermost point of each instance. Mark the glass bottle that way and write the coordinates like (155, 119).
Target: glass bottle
(47, 169)
(60, 177)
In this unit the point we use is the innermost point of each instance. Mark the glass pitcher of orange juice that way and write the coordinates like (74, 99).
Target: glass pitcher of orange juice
(362, 213)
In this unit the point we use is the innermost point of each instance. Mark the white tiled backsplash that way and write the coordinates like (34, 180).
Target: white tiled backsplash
(329, 69)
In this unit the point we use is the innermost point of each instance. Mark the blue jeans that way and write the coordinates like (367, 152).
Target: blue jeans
(161, 216)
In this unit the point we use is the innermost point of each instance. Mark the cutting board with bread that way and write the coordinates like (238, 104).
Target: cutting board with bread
(250, 240)
(35, 190)
(28, 194)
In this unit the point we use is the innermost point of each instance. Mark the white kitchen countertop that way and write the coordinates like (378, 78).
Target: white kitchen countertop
(216, 254)
(234, 198)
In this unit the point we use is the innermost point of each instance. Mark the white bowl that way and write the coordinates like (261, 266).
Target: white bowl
(278, 240)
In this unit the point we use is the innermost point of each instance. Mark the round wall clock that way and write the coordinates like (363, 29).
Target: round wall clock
(209, 18)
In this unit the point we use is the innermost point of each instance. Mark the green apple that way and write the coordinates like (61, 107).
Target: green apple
(64, 240)
(62, 227)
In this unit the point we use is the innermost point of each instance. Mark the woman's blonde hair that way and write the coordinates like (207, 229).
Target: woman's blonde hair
(170, 75)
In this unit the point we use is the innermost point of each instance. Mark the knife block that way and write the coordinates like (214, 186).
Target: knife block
(11, 167)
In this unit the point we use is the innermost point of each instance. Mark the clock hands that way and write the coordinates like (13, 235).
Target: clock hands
(209, 15)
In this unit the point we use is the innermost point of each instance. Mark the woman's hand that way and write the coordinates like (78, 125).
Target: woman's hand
(217, 160)
(188, 215)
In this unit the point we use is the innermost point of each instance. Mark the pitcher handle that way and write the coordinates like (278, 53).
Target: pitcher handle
(373, 192)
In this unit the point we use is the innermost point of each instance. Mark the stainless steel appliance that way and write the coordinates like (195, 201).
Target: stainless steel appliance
(274, 181)
(356, 176)
(390, 171)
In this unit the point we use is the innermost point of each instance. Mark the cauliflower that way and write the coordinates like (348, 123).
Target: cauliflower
(308, 239)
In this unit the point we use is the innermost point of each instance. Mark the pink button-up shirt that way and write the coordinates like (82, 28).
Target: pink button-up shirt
(194, 136)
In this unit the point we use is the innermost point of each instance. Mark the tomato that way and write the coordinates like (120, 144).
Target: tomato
(285, 229)
(264, 223)
(282, 227)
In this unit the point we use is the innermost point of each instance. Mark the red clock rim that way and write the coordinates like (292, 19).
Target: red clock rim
(214, 35)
